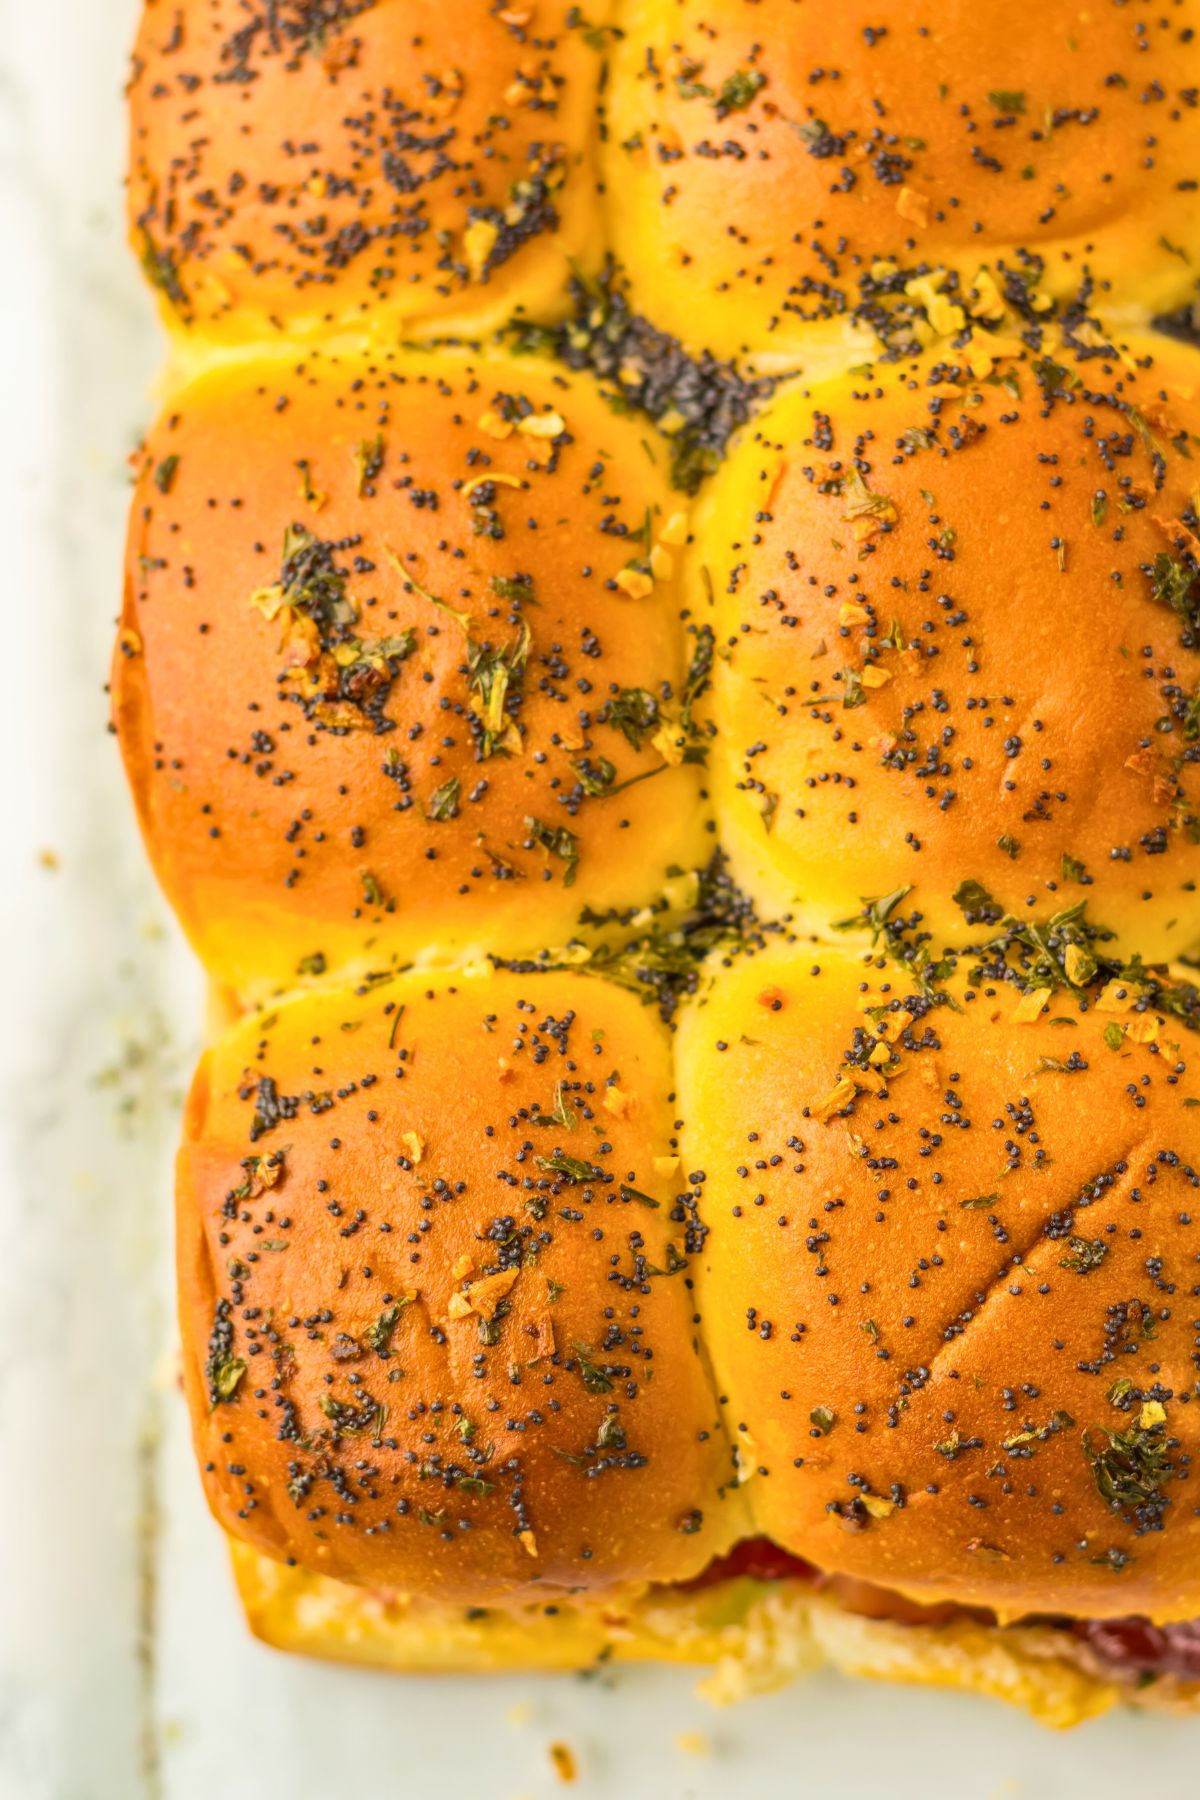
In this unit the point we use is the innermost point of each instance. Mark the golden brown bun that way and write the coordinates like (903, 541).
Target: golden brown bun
(947, 649)
(496, 1298)
(758, 1636)
(311, 802)
(764, 159)
(948, 1287)
(373, 164)
(422, 1347)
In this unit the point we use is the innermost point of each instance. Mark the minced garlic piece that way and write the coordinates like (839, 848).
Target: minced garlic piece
(496, 479)
(543, 425)
(843, 1091)
(671, 743)
(945, 316)
(450, 88)
(479, 240)
(913, 206)
(1116, 996)
(1079, 964)
(635, 583)
(482, 1296)
(268, 600)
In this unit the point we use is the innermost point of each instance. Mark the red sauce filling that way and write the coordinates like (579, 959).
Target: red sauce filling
(1137, 1647)
(1129, 1646)
(757, 1558)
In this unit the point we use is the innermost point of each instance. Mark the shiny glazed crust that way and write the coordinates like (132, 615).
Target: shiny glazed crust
(374, 166)
(695, 1054)
(946, 646)
(402, 672)
(432, 1284)
(772, 167)
(940, 1290)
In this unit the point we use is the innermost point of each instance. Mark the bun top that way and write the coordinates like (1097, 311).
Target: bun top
(401, 670)
(957, 619)
(778, 170)
(443, 705)
(907, 1293)
(435, 1293)
(318, 165)
(949, 1282)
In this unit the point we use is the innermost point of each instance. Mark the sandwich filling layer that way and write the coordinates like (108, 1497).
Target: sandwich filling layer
(757, 1617)
(1131, 1647)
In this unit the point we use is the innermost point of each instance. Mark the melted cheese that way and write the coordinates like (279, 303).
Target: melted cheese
(755, 1635)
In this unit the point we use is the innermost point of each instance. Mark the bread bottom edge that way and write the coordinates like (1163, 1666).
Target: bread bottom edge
(754, 1635)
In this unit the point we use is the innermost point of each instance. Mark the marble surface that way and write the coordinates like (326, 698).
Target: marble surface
(125, 1671)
